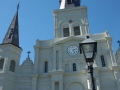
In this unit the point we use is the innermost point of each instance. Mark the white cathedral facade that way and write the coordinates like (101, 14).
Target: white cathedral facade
(56, 66)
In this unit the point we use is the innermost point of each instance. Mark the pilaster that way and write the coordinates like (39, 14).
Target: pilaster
(70, 66)
(34, 82)
(78, 67)
(112, 56)
(53, 85)
(35, 71)
(70, 29)
(54, 60)
(6, 63)
(60, 85)
(117, 78)
(60, 60)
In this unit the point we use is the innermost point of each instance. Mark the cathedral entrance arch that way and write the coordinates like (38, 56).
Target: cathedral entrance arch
(74, 85)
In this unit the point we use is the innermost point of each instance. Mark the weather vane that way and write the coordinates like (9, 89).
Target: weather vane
(28, 53)
(118, 42)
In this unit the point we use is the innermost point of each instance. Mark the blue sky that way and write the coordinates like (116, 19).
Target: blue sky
(36, 20)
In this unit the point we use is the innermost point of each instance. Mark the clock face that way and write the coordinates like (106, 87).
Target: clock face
(72, 50)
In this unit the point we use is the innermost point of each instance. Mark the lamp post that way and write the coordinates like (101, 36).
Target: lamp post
(89, 49)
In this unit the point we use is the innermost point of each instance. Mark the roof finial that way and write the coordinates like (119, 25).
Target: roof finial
(28, 53)
(118, 42)
(18, 5)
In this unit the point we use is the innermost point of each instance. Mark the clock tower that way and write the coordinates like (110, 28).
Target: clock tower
(70, 21)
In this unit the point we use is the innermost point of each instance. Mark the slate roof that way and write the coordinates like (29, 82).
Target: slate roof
(12, 35)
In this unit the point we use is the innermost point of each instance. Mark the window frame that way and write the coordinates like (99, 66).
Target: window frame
(68, 31)
(46, 67)
(2, 65)
(76, 29)
(74, 67)
(12, 66)
(103, 63)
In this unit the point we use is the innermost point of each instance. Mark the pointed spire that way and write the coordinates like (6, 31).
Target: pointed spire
(69, 3)
(12, 35)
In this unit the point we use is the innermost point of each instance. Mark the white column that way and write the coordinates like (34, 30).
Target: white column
(70, 30)
(34, 82)
(55, 25)
(53, 85)
(54, 60)
(78, 67)
(60, 85)
(5, 64)
(97, 83)
(117, 78)
(70, 66)
(81, 32)
(85, 29)
(113, 60)
(55, 19)
(36, 60)
(60, 60)
(95, 62)
(98, 62)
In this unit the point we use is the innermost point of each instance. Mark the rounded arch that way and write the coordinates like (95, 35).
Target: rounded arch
(63, 21)
(44, 87)
(74, 81)
(76, 24)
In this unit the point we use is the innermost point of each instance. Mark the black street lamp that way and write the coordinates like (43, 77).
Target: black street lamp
(89, 49)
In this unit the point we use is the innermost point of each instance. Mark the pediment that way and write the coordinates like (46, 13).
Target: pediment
(63, 40)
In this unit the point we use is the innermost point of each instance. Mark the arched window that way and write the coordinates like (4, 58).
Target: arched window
(1, 63)
(76, 30)
(74, 67)
(12, 66)
(103, 61)
(66, 32)
(46, 67)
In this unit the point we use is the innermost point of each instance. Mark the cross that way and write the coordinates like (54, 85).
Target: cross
(18, 5)
(28, 53)
(118, 42)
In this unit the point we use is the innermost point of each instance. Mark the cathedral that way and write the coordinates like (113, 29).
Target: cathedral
(55, 65)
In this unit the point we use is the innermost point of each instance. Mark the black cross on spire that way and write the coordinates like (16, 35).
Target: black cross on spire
(18, 5)
(118, 42)
(28, 53)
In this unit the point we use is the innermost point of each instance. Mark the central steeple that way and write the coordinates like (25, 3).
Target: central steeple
(69, 3)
